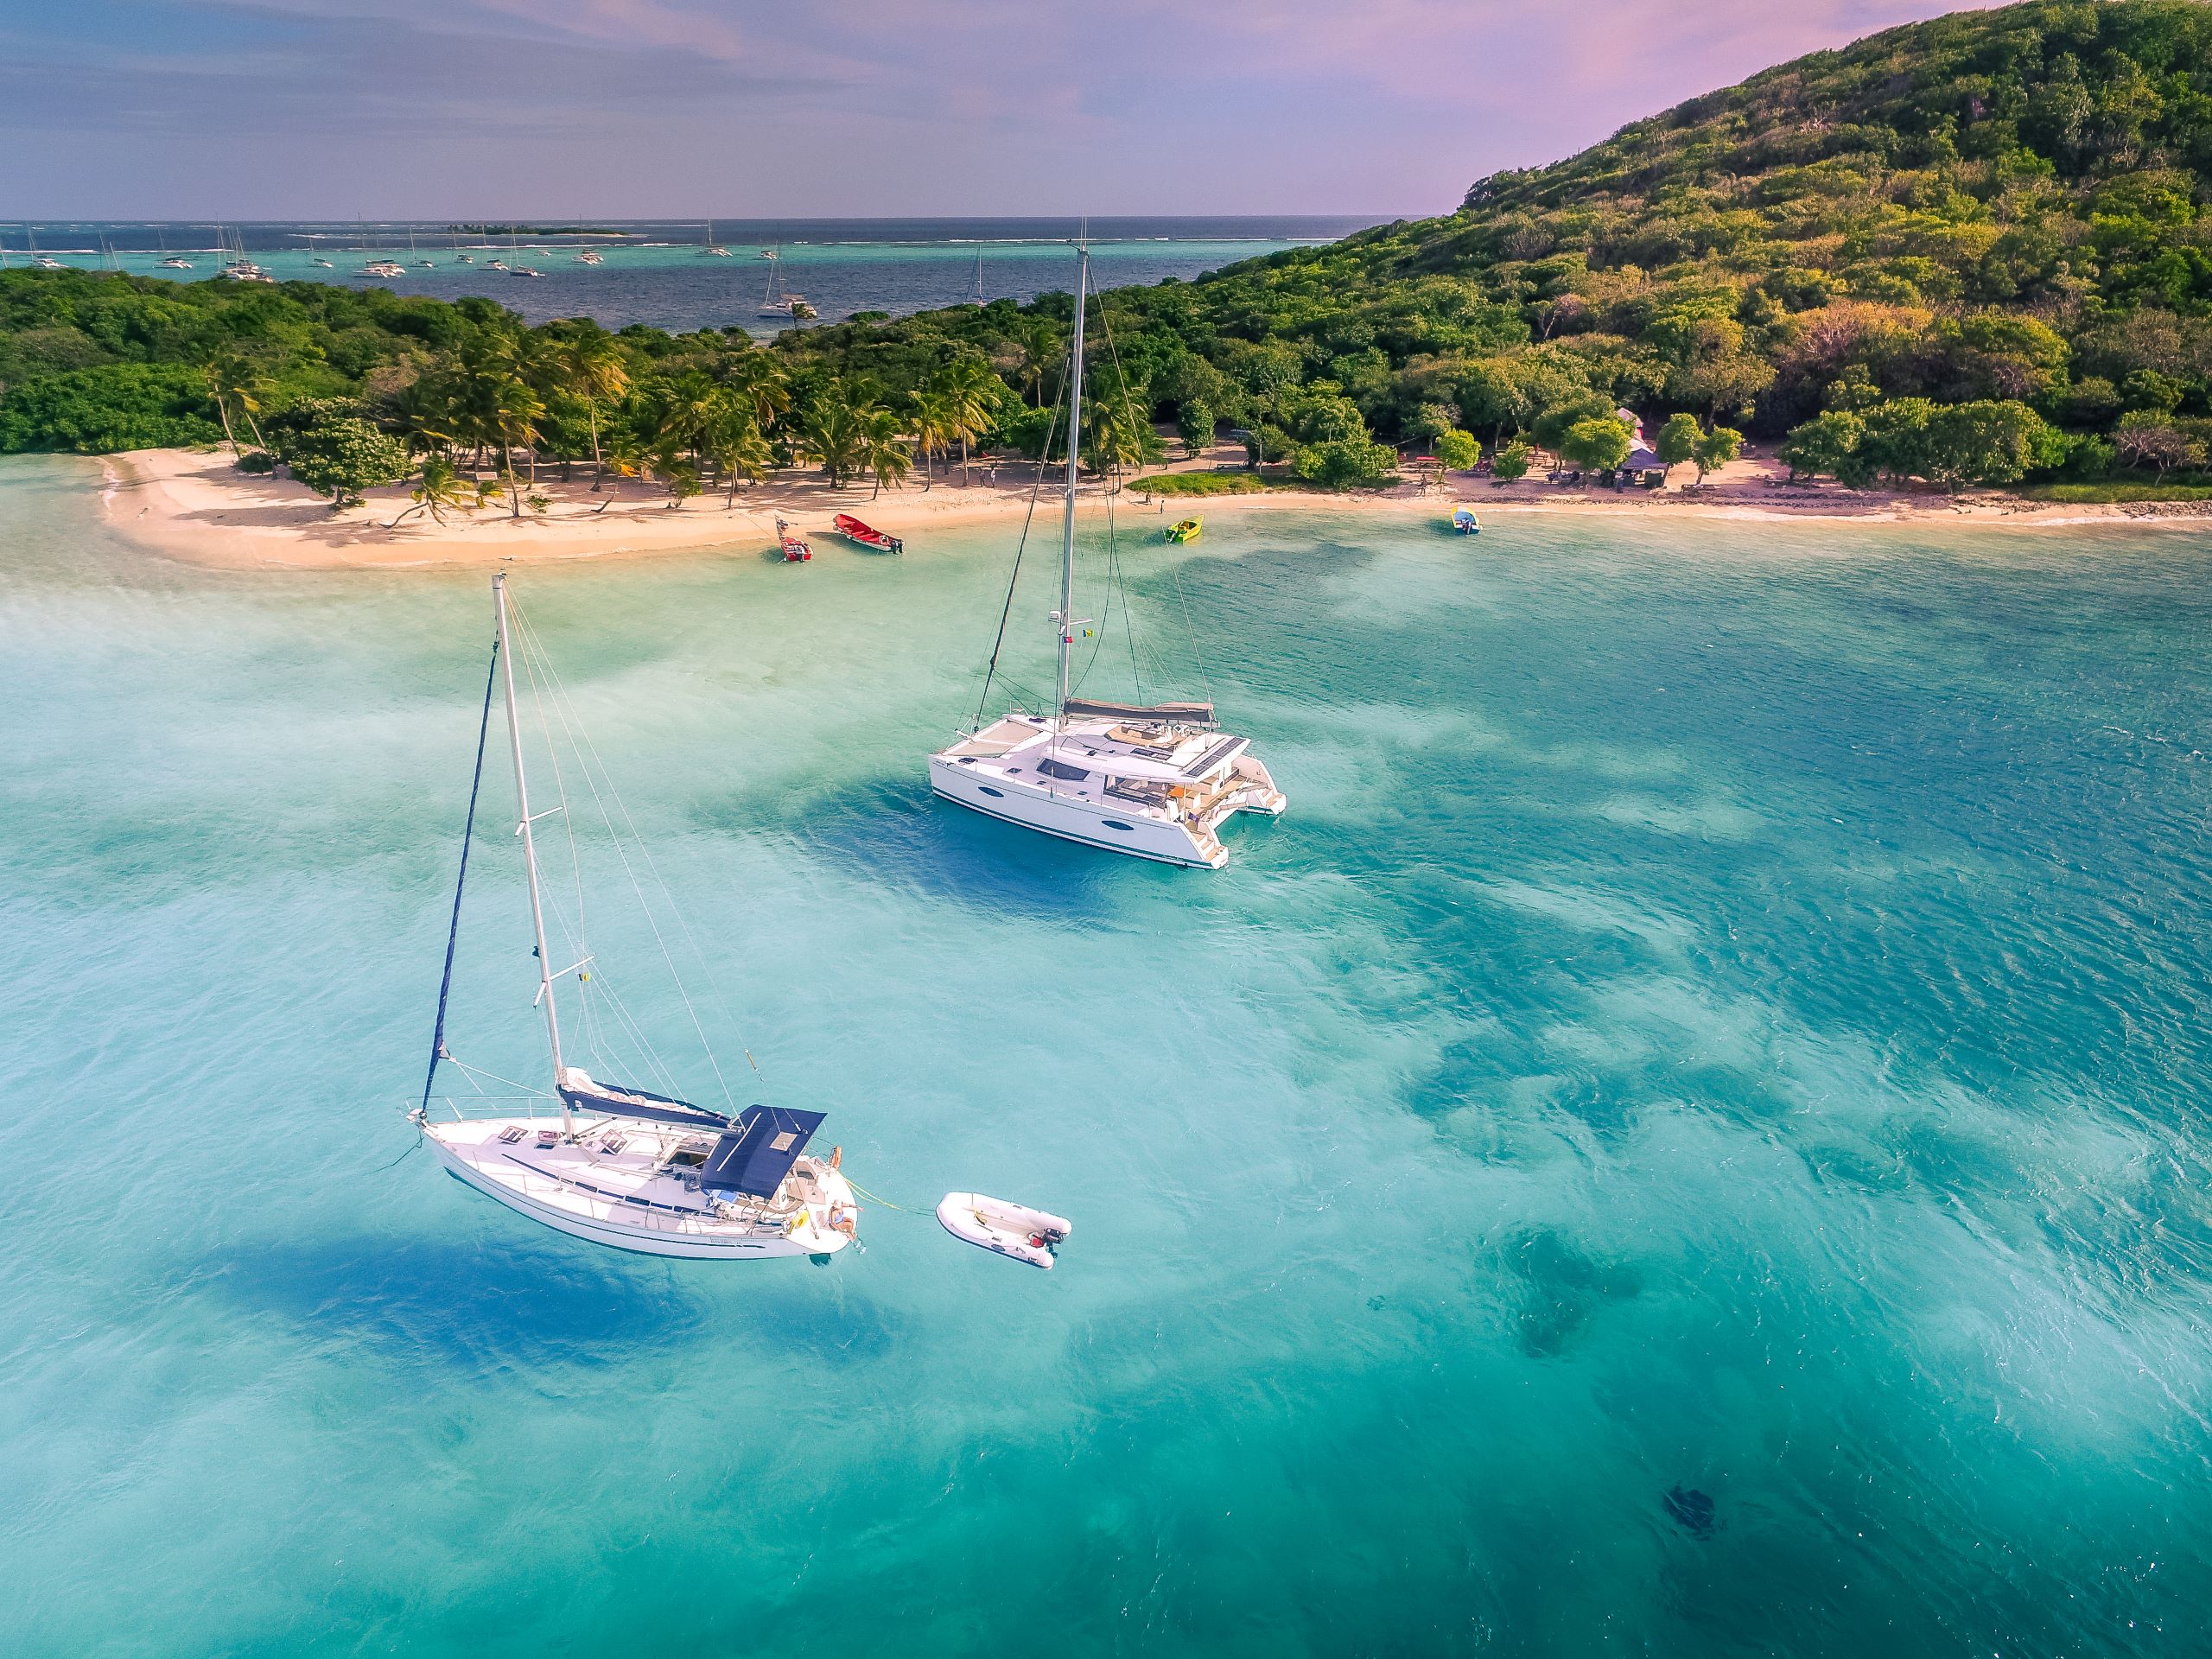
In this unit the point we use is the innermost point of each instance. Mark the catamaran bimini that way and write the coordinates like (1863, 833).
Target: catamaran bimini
(618, 1165)
(1155, 780)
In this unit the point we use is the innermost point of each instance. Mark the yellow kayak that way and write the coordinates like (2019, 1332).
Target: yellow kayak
(1185, 531)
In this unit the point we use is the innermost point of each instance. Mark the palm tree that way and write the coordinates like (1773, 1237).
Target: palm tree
(1110, 437)
(930, 425)
(735, 446)
(834, 434)
(883, 449)
(515, 413)
(971, 392)
(626, 458)
(441, 487)
(1041, 345)
(533, 360)
(218, 390)
(230, 381)
(595, 371)
(755, 375)
(681, 411)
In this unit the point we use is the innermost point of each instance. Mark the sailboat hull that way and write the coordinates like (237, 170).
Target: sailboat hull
(523, 1179)
(1131, 833)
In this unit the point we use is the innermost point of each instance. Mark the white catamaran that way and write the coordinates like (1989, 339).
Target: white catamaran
(1154, 780)
(620, 1166)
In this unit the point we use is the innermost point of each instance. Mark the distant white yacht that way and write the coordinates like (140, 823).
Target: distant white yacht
(589, 256)
(1153, 780)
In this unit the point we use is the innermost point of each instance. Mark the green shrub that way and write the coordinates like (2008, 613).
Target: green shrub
(119, 406)
(341, 457)
(2108, 490)
(1200, 483)
(1341, 463)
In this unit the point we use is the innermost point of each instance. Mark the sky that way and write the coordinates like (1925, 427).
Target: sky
(575, 109)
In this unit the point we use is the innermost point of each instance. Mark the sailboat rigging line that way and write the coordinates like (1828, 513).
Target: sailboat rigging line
(467, 834)
(589, 761)
(475, 1071)
(534, 657)
(581, 739)
(1174, 570)
(1036, 485)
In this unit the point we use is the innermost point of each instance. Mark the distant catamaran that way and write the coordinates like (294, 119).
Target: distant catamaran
(617, 1164)
(1153, 780)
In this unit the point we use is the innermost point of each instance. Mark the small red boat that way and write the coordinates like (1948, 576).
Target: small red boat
(853, 531)
(795, 547)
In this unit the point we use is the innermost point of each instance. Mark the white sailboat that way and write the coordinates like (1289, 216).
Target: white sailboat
(774, 304)
(713, 249)
(620, 1166)
(1154, 780)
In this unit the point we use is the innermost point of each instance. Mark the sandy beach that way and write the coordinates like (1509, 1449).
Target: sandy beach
(196, 506)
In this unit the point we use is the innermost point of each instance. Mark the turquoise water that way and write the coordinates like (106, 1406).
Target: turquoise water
(1725, 1015)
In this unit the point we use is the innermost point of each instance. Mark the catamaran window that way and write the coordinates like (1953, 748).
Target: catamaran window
(1115, 823)
(988, 790)
(1061, 770)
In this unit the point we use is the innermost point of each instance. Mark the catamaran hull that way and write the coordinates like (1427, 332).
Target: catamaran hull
(1137, 835)
(642, 1241)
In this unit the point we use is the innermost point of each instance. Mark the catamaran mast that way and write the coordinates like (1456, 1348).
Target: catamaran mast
(1064, 618)
(530, 855)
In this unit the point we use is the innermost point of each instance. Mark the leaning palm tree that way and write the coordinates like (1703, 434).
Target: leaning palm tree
(440, 487)
(230, 381)
(883, 449)
(218, 390)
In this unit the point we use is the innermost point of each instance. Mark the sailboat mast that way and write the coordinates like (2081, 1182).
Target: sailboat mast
(529, 854)
(1065, 617)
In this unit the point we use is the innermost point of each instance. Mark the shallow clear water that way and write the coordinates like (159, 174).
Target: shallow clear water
(1725, 1012)
(663, 277)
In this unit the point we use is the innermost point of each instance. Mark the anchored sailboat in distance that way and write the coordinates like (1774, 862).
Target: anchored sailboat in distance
(1154, 780)
(618, 1165)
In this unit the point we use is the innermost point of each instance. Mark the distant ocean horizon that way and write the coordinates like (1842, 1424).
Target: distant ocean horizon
(659, 272)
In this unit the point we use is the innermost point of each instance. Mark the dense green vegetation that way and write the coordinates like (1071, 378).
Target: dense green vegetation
(1976, 249)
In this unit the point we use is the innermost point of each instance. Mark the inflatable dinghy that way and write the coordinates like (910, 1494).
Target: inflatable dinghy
(1011, 1230)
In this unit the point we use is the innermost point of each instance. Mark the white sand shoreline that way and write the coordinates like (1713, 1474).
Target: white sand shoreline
(197, 507)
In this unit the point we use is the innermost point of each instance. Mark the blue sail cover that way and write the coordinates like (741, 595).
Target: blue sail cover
(620, 1100)
(756, 1152)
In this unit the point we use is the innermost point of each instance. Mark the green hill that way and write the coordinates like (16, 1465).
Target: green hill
(1971, 249)
(1996, 205)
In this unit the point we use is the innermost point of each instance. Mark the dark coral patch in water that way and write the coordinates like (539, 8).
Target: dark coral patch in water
(1691, 1509)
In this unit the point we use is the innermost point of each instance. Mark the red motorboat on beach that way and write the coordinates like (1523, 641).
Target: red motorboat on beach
(853, 531)
(795, 547)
